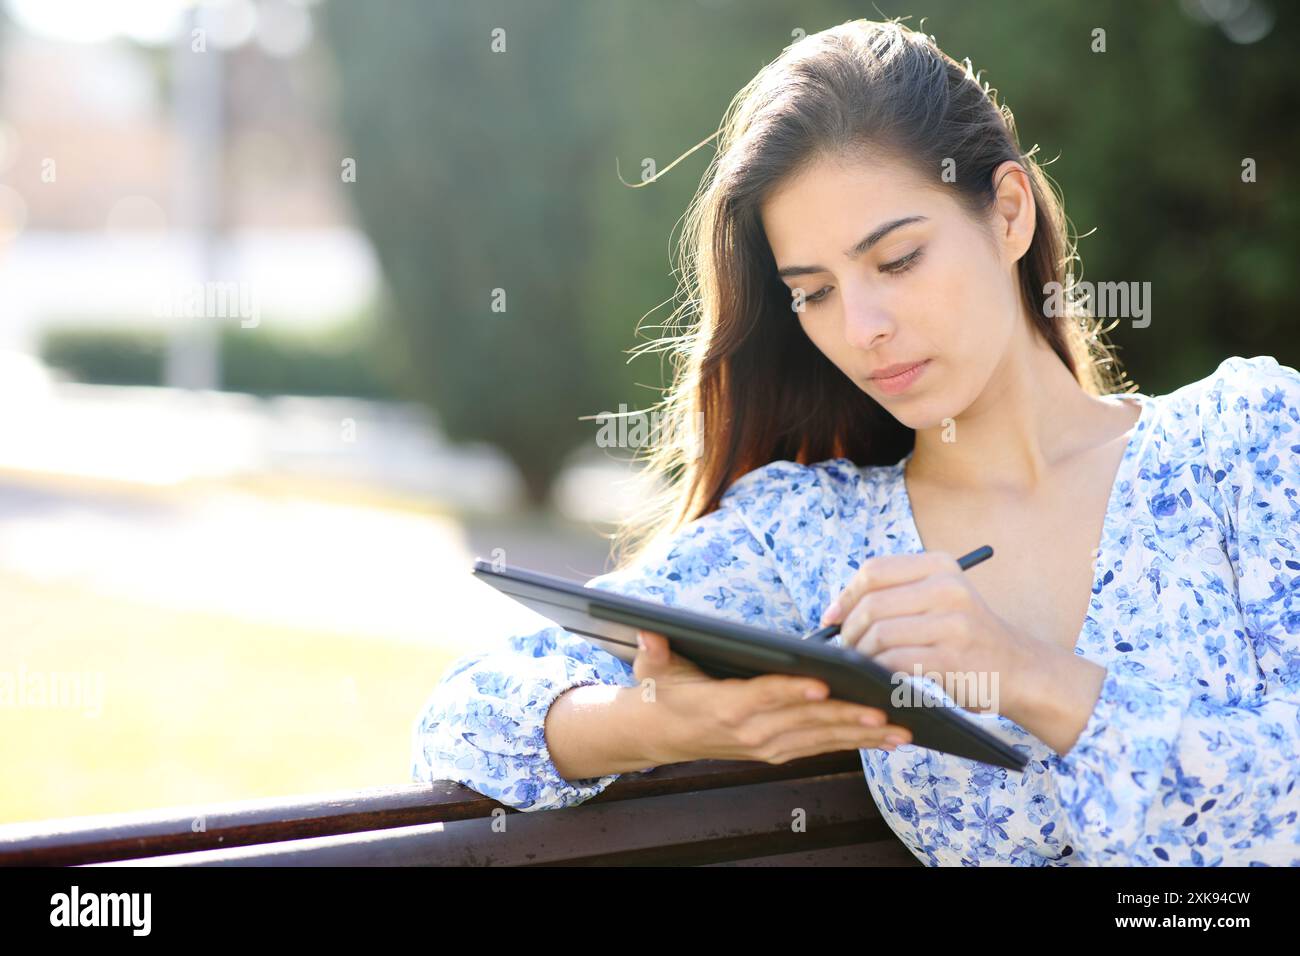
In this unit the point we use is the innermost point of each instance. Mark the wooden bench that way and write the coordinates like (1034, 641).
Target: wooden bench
(704, 813)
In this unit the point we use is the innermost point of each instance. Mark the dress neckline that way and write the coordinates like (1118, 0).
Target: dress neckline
(1145, 403)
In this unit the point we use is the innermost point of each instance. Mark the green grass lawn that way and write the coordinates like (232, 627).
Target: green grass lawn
(196, 708)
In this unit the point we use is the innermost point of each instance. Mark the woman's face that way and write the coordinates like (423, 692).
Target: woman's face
(895, 272)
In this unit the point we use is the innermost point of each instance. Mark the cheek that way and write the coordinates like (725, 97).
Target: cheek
(942, 304)
(967, 301)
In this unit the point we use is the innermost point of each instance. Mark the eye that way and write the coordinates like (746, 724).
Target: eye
(817, 296)
(899, 266)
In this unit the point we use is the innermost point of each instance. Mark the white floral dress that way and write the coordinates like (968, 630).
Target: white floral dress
(1191, 756)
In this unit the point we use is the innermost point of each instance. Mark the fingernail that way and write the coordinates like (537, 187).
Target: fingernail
(869, 720)
(640, 641)
(895, 739)
(814, 693)
(831, 612)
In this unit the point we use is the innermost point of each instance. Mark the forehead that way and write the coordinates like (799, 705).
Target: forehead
(832, 202)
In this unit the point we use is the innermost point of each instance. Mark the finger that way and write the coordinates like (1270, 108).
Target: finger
(919, 630)
(969, 690)
(810, 742)
(936, 592)
(772, 723)
(656, 658)
(652, 654)
(653, 643)
(772, 691)
(887, 570)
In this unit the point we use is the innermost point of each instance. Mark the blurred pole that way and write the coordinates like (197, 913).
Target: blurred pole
(193, 360)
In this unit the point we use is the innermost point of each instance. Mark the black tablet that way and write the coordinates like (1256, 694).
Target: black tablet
(722, 648)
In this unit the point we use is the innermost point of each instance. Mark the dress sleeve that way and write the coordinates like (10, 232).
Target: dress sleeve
(1162, 773)
(484, 724)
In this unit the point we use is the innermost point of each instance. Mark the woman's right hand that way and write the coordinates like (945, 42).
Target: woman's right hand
(767, 718)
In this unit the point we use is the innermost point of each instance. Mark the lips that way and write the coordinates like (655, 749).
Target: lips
(902, 378)
(890, 371)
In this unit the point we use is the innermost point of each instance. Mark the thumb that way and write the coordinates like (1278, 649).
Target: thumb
(653, 646)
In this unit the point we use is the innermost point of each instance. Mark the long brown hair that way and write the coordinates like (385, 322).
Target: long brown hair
(748, 386)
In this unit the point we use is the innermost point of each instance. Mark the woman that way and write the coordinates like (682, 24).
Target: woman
(883, 383)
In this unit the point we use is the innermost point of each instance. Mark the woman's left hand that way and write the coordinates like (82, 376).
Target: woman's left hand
(910, 611)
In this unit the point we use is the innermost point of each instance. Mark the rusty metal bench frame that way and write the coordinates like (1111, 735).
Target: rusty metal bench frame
(703, 813)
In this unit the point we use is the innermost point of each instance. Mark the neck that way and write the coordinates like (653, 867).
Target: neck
(1031, 418)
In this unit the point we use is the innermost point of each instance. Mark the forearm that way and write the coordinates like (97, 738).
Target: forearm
(600, 729)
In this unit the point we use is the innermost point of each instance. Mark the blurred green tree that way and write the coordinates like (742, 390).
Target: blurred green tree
(470, 167)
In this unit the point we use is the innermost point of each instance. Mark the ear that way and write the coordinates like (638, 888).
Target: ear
(1013, 219)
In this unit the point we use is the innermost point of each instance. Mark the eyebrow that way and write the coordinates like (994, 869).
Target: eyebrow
(863, 244)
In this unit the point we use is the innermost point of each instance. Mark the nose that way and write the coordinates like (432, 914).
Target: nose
(866, 325)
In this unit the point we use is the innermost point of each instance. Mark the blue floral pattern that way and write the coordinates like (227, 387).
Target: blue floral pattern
(1191, 756)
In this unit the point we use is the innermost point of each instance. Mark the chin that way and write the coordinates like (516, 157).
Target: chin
(920, 416)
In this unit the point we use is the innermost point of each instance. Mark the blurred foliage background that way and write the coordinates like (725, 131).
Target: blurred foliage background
(346, 358)
(498, 171)
(520, 269)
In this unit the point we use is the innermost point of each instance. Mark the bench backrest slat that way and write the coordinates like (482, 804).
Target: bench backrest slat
(261, 823)
(759, 821)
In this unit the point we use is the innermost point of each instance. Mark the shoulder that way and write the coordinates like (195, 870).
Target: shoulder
(782, 490)
(799, 512)
(1245, 408)
(833, 480)
(1242, 423)
(1244, 387)
(812, 519)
